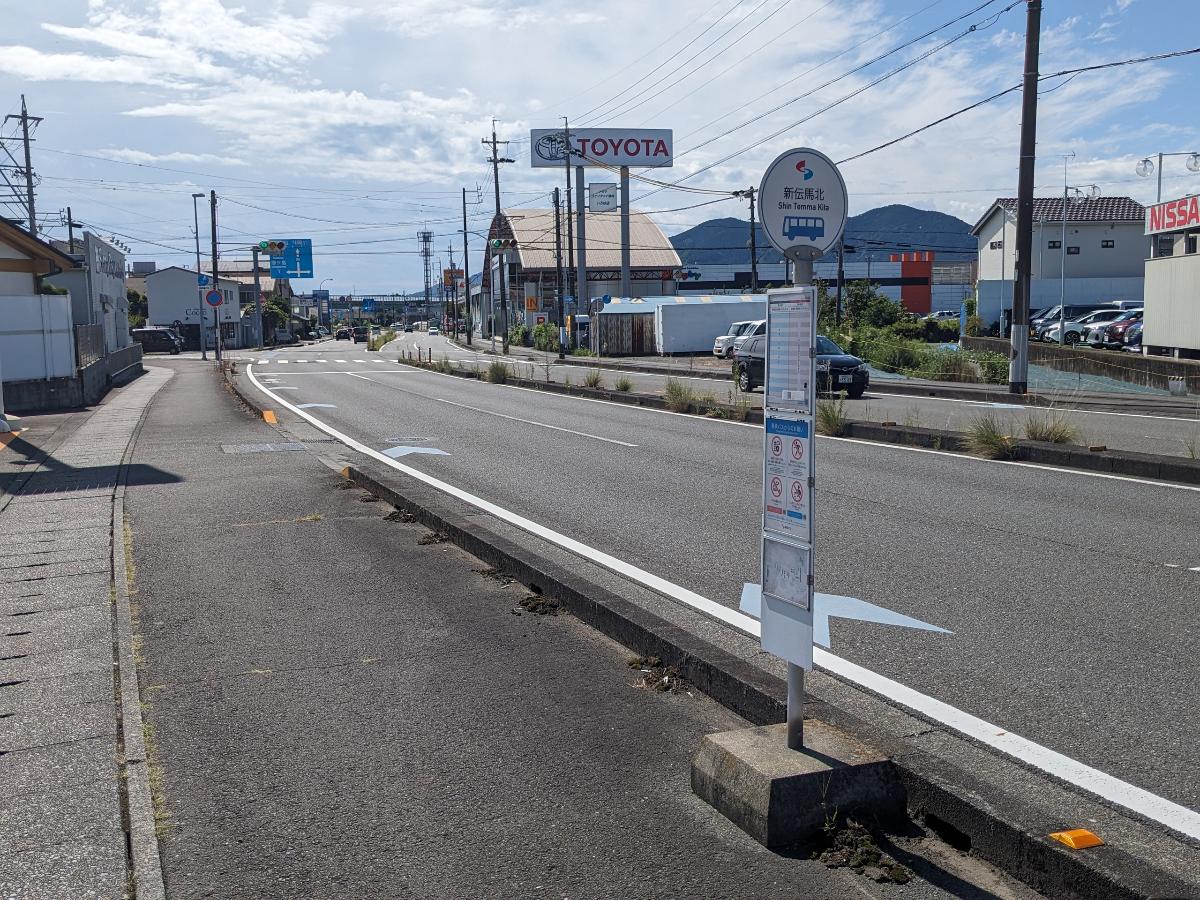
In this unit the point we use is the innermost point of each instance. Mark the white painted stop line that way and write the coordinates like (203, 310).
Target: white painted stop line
(1159, 809)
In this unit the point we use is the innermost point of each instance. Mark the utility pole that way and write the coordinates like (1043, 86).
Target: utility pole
(30, 207)
(562, 324)
(1018, 370)
(753, 245)
(212, 206)
(426, 239)
(841, 276)
(258, 297)
(71, 226)
(199, 286)
(570, 234)
(466, 270)
(453, 290)
(495, 160)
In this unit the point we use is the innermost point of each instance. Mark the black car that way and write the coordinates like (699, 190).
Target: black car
(837, 370)
(359, 333)
(342, 334)
(157, 340)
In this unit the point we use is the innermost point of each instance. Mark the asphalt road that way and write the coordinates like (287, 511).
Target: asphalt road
(1177, 434)
(341, 708)
(1071, 597)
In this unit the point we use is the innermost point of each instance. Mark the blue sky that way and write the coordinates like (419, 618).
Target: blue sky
(358, 123)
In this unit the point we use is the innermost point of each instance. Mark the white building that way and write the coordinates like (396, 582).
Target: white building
(98, 289)
(1172, 321)
(1105, 253)
(174, 298)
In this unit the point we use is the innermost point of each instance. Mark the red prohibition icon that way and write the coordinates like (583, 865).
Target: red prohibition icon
(776, 487)
(797, 493)
(797, 449)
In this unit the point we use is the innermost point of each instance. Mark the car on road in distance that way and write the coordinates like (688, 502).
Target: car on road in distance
(408, 329)
(157, 340)
(837, 370)
(723, 345)
(342, 334)
(359, 333)
(757, 327)
(1077, 327)
(433, 329)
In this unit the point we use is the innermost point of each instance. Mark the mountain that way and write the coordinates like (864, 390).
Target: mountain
(881, 231)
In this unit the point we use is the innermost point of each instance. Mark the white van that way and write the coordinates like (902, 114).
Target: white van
(723, 345)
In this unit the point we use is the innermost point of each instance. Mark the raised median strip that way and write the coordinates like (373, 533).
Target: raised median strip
(1001, 810)
(1178, 469)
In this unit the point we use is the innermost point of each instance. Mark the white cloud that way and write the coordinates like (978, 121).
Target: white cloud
(128, 154)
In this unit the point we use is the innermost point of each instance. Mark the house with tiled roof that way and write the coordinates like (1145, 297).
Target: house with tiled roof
(1100, 258)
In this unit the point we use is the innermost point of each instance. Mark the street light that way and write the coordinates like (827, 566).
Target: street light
(1073, 196)
(199, 287)
(1147, 167)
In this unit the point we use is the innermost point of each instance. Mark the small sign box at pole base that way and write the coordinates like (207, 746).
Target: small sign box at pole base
(802, 204)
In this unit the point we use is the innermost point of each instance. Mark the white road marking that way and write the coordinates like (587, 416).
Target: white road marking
(339, 360)
(1090, 412)
(488, 412)
(1173, 565)
(1194, 569)
(282, 362)
(1172, 815)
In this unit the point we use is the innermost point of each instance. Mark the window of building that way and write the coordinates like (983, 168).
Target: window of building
(1054, 245)
(1107, 245)
(1072, 251)
(1166, 245)
(996, 245)
(1190, 242)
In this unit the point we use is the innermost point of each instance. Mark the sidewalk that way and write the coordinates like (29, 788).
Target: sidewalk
(63, 826)
(345, 706)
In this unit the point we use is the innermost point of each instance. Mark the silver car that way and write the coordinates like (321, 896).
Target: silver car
(723, 345)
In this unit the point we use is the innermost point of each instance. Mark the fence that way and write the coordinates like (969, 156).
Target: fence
(89, 344)
(35, 337)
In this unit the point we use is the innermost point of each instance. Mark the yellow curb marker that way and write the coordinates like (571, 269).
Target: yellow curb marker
(269, 417)
(1077, 838)
(7, 436)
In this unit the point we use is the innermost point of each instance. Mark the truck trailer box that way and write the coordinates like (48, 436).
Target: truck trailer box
(691, 327)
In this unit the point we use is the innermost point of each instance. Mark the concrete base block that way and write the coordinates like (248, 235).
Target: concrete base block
(782, 797)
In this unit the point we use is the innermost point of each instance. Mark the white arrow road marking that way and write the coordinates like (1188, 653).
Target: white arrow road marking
(316, 406)
(832, 606)
(397, 452)
(1122, 793)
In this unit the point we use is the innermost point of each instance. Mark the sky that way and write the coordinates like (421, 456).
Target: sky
(359, 123)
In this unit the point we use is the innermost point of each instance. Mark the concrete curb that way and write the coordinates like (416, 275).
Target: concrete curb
(1069, 456)
(143, 850)
(1005, 833)
(935, 791)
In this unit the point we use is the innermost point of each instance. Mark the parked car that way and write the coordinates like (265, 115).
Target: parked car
(836, 370)
(408, 329)
(359, 334)
(1115, 333)
(158, 340)
(756, 328)
(1075, 328)
(723, 345)
(342, 334)
(943, 315)
(1050, 316)
(1133, 338)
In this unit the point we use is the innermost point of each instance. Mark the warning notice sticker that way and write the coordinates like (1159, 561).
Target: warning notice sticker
(787, 494)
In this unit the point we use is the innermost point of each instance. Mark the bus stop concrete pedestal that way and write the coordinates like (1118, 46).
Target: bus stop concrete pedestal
(782, 797)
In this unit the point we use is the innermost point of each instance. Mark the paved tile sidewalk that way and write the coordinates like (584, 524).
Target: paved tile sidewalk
(61, 826)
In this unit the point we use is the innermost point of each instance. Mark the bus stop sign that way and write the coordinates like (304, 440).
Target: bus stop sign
(802, 204)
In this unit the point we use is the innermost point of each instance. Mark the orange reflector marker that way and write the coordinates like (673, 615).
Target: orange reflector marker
(6, 436)
(269, 417)
(1077, 838)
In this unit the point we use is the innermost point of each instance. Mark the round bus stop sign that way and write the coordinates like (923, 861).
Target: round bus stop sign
(213, 298)
(802, 204)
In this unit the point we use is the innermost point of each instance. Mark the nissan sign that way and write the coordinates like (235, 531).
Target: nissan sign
(646, 147)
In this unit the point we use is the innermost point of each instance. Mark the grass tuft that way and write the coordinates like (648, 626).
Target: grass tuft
(594, 379)
(624, 384)
(1051, 427)
(679, 396)
(986, 437)
(497, 372)
(831, 416)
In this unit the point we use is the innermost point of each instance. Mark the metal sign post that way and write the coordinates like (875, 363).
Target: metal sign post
(802, 205)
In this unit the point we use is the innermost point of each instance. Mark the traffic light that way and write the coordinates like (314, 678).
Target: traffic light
(504, 243)
(275, 248)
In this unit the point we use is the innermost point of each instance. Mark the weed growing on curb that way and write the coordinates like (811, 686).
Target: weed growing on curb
(497, 372)
(594, 379)
(657, 677)
(912, 417)
(679, 396)
(987, 438)
(624, 384)
(539, 605)
(433, 537)
(831, 417)
(1051, 427)
(853, 847)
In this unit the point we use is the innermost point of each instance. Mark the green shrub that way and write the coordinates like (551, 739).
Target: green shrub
(974, 326)
(497, 372)
(831, 416)
(582, 351)
(987, 438)
(624, 384)
(594, 379)
(517, 334)
(545, 337)
(679, 395)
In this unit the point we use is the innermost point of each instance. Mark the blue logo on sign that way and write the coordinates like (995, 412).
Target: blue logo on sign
(811, 227)
(803, 169)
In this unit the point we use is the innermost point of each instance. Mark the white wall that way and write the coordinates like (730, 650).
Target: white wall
(1124, 260)
(15, 282)
(36, 337)
(1172, 302)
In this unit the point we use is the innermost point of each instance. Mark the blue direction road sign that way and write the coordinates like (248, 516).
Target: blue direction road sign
(202, 280)
(368, 304)
(214, 298)
(295, 260)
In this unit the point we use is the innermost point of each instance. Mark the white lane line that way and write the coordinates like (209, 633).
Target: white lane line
(339, 360)
(1089, 412)
(360, 360)
(363, 377)
(282, 362)
(1172, 815)
(1194, 569)
(488, 412)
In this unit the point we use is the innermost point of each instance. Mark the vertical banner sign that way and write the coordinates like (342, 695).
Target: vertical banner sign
(791, 337)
